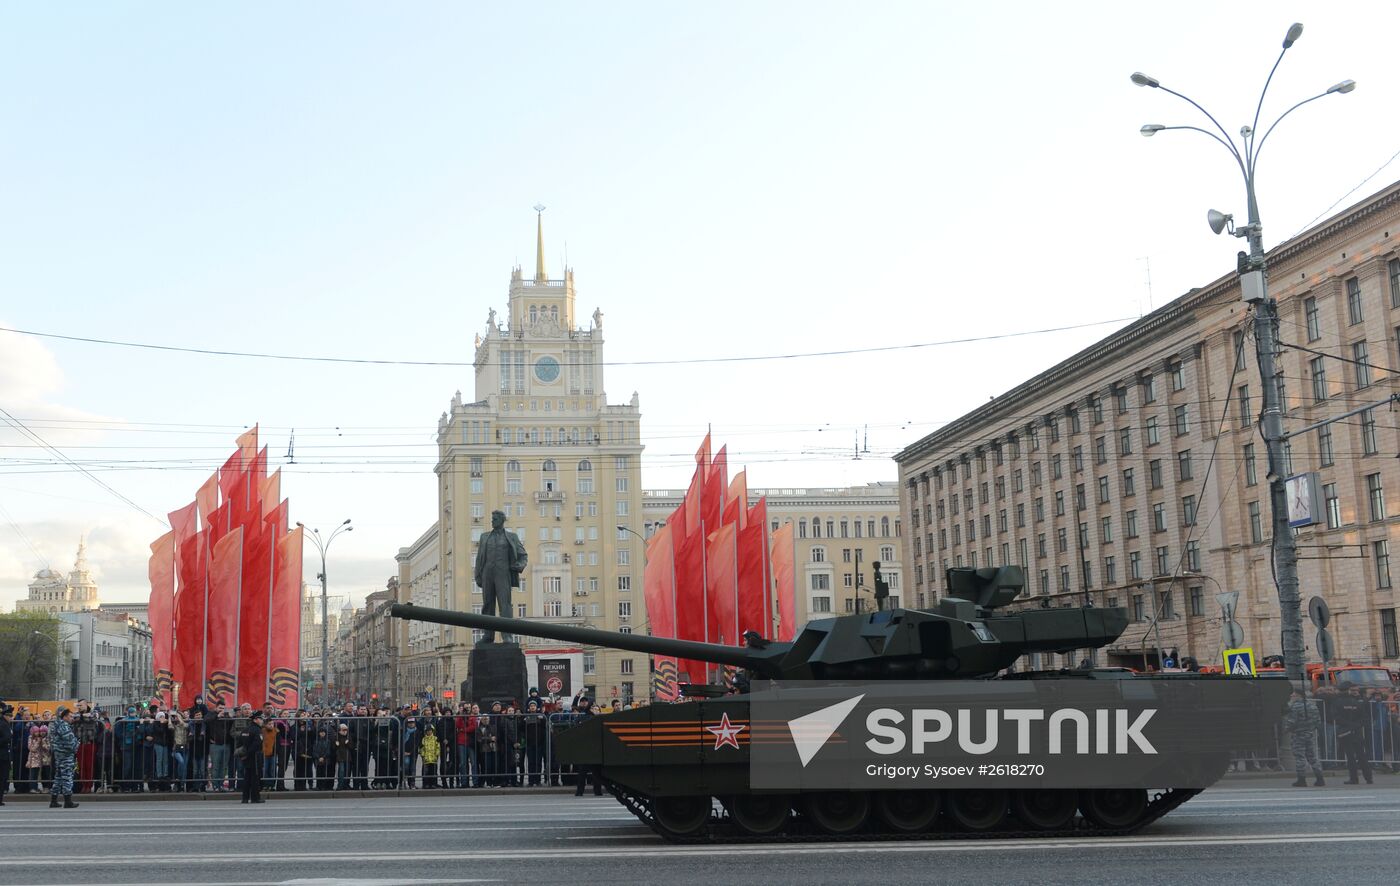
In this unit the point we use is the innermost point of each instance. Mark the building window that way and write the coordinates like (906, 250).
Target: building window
(1354, 301)
(1061, 540)
(1154, 473)
(1064, 579)
(1178, 377)
(1055, 471)
(821, 582)
(1096, 405)
(818, 554)
(1325, 455)
(1317, 370)
(1242, 404)
(1130, 521)
(1149, 389)
(1188, 510)
(1251, 475)
(1163, 560)
(1125, 441)
(1110, 570)
(1153, 437)
(1128, 485)
(1045, 581)
(1077, 456)
(1237, 343)
(1059, 503)
(1332, 506)
(1368, 432)
(1139, 614)
(1159, 517)
(1390, 642)
(1135, 564)
(1361, 363)
(1256, 523)
(1193, 556)
(1020, 516)
(590, 663)
(1103, 490)
(1380, 550)
(1183, 465)
(1375, 495)
(821, 604)
(1100, 451)
(1310, 318)
(1198, 600)
(1180, 421)
(1106, 530)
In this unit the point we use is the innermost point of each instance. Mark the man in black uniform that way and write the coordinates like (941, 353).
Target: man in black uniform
(1353, 721)
(582, 712)
(251, 744)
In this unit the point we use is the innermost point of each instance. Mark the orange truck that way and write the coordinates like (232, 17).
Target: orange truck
(1365, 676)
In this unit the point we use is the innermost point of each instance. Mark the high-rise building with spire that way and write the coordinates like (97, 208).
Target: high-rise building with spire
(539, 441)
(51, 592)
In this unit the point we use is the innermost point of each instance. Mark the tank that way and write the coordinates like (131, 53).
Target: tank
(656, 760)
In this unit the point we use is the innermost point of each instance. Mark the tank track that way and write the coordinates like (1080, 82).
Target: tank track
(721, 829)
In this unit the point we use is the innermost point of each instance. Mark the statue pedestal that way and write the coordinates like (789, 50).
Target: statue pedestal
(495, 672)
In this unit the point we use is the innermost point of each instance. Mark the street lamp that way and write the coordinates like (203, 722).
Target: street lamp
(1254, 289)
(322, 546)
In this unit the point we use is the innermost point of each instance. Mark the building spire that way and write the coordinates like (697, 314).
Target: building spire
(540, 275)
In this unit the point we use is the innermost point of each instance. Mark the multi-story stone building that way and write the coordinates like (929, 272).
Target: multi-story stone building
(374, 654)
(838, 535)
(104, 658)
(540, 442)
(52, 592)
(424, 658)
(1132, 473)
(311, 634)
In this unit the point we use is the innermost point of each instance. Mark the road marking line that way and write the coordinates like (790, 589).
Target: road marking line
(670, 851)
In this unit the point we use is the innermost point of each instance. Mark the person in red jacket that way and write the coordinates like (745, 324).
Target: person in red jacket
(466, 747)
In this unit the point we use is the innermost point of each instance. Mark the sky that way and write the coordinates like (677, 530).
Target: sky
(726, 180)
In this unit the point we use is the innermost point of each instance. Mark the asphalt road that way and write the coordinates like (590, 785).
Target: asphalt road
(1241, 832)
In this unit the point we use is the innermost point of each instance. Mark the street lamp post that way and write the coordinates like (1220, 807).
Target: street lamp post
(1254, 290)
(322, 546)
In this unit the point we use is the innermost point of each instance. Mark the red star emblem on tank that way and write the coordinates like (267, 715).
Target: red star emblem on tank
(726, 733)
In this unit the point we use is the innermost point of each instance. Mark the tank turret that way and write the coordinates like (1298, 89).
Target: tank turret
(967, 634)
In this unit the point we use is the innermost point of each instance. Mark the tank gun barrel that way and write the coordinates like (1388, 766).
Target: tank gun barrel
(764, 661)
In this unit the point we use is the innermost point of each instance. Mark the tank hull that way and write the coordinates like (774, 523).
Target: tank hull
(672, 766)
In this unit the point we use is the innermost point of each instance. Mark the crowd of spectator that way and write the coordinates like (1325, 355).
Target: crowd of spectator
(351, 746)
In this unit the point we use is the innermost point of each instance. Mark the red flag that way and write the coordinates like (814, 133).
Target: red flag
(753, 573)
(220, 523)
(696, 491)
(270, 491)
(231, 474)
(184, 524)
(248, 444)
(284, 623)
(257, 472)
(225, 576)
(254, 602)
(785, 581)
(190, 607)
(161, 571)
(659, 583)
(207, 498)
(716, 485)
(691, 614)
(722, 585)
(736, 501)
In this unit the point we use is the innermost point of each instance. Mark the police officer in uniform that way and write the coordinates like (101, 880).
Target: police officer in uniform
(1353, 722)
(250, 742)
(64, 744)
(1302, 722)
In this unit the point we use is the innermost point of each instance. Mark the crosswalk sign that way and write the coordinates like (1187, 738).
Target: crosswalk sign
(1239, 662)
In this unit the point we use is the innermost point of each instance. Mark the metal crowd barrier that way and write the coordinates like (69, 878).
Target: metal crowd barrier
(385, 753)
(1379, 741)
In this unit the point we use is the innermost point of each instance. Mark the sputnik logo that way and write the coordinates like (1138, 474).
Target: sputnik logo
(726, 733)
(810, 731)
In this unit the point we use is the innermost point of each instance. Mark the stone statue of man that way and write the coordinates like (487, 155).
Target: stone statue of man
(882, 589)
(500, 558)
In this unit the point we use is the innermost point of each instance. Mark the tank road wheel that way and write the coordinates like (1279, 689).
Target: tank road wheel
(760, 814)
(838, 812)
(908, 812)
(1113, 808)
(978, 809)
(682, 815)
(1043, 809)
